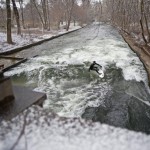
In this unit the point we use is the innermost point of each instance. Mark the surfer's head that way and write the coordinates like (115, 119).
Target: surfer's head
(94, 62)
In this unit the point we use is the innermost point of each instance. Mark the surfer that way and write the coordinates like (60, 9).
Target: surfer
(94, 66)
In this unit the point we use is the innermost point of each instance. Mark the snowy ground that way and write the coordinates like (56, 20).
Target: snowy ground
(46, 131)
(29, 37)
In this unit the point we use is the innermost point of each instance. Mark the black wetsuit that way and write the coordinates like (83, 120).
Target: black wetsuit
(93, 67)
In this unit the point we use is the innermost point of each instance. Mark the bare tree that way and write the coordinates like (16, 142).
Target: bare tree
(42, 14)
(32, 15)
(44, 10)
(86, 9)
(68, 4)
(131, 16)
(9, 37)
(3, 14)
(143, 20)
(48, 15)
(22, 13)
(17, 17)
(98, 11)
(57, 12)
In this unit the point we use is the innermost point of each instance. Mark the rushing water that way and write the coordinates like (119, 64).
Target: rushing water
(61, 70)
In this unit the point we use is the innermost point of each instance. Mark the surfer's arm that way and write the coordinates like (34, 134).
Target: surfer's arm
(99, 65)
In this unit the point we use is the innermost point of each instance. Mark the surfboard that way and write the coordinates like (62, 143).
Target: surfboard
(100, 73)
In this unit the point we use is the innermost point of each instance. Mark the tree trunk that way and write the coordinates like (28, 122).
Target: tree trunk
(147, 28)
(48, 16)
(40, 16)
(9, 37)
(141, 21)
(143, 32)
(44, 13)
(3, 17)
(22, 14)
(17, 17)
(100, 10)
(69, 13)
(31, 10)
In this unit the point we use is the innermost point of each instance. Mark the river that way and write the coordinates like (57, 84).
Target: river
(120, 99)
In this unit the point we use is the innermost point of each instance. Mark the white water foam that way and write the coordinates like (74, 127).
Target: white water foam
(103, 53)
(70, 98)
(105, 49)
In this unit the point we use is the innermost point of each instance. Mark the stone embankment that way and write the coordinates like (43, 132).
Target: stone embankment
(143, 52)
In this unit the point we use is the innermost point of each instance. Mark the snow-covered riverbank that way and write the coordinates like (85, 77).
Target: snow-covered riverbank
(43, 130)
(142, 52)
(30, 37)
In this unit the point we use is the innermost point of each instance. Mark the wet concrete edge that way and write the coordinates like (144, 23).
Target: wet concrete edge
(7, 57)
(36, 43)
(14, 65)
(24, 98)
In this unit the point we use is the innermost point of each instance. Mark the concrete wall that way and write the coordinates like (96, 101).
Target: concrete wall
(6, 91)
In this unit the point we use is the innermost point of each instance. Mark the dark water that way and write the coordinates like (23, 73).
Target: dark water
(123, 106)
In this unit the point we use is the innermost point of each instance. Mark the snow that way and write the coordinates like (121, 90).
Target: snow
(25, 39)
(18, 41)
(46, 131)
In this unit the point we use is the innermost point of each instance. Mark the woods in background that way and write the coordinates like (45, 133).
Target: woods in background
(44, 14)
(131, 16)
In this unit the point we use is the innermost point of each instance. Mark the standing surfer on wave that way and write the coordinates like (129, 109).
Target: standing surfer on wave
(94, 66)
